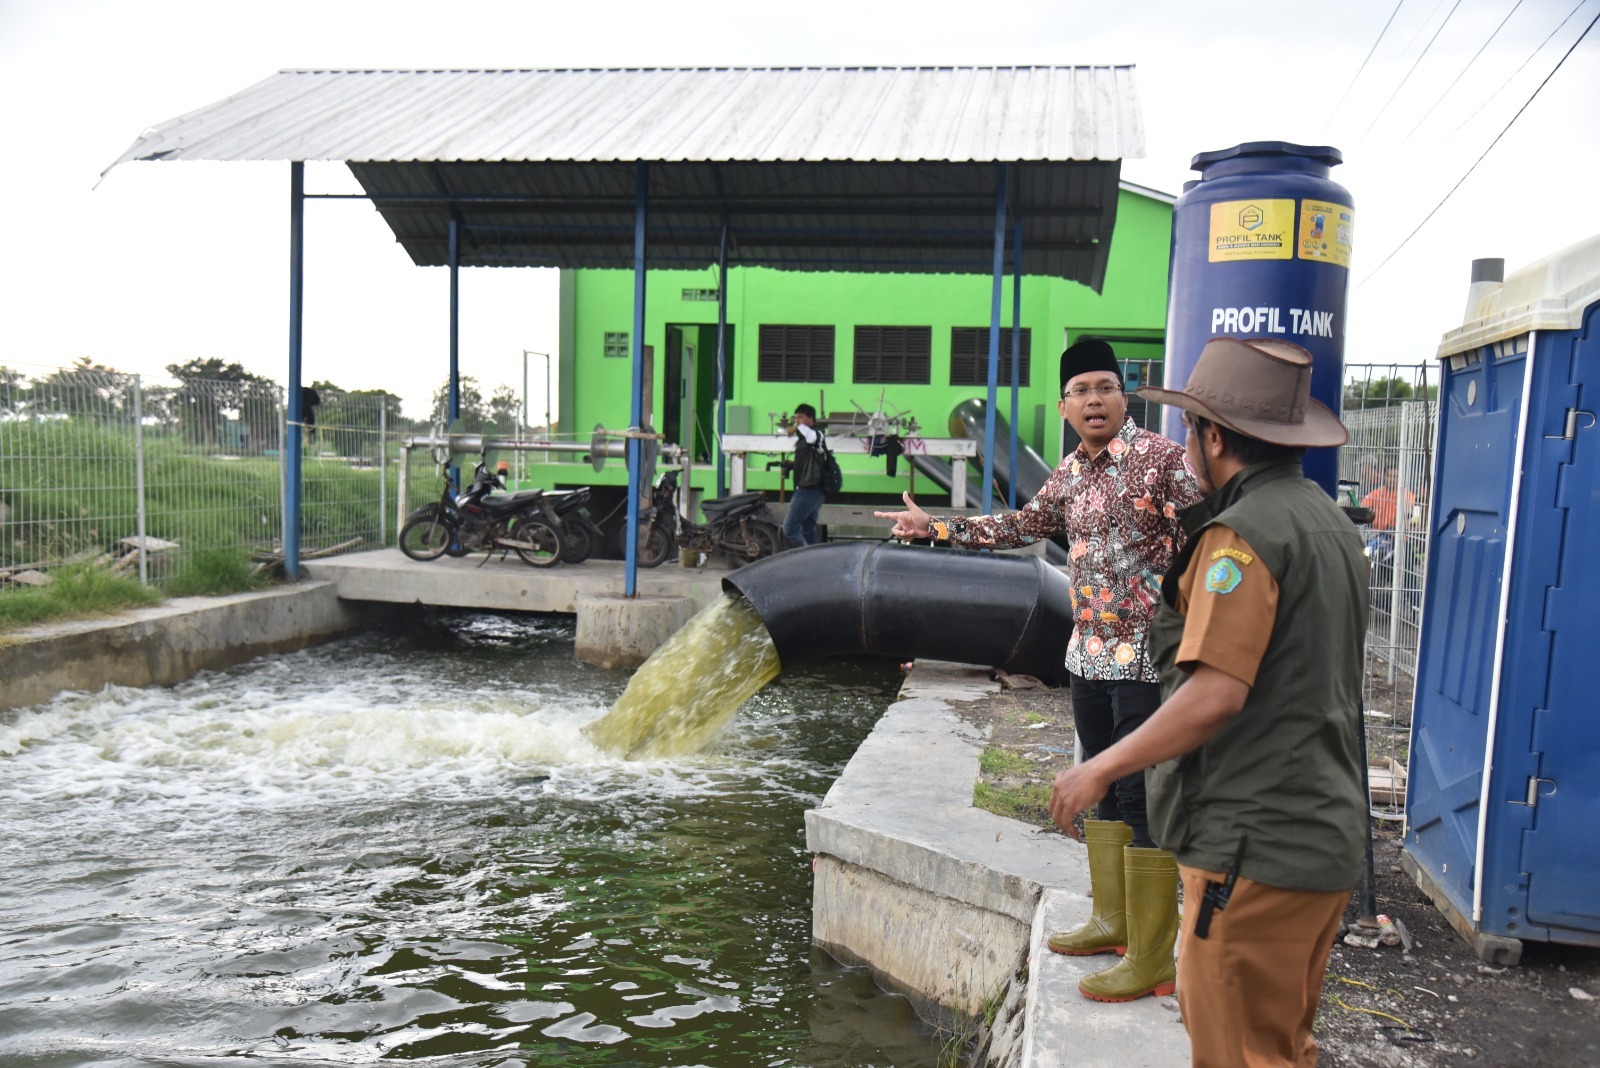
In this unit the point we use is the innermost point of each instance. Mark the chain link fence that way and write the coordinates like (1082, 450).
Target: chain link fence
(143, 475)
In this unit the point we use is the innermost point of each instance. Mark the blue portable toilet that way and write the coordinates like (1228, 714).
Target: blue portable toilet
(1503, 796)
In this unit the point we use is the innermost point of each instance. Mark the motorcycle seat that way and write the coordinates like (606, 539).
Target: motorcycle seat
(513, 500)
(739, 502)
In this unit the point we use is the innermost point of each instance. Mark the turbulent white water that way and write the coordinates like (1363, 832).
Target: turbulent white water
(404, 845)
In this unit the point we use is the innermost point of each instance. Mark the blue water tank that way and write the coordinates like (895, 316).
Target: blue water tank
(1261, 248)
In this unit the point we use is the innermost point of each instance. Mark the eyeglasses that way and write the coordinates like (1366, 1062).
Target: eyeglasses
(1080, 392)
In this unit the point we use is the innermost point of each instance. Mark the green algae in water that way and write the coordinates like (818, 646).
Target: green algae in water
(680, 699)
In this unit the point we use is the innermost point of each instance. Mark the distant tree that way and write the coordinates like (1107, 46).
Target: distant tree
(348, 421)
(211, 392)
(13, 385)
(1383, 393)
(505, 410)
(85, 388)
(474, 413)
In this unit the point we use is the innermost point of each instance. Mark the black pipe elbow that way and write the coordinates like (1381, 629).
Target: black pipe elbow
(1009, 612)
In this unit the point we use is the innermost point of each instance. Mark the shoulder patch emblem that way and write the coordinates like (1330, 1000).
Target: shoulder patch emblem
(1223, 576)
(1230, 551)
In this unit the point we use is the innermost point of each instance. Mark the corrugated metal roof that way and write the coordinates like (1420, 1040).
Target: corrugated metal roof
(859, 169)
(813, 114)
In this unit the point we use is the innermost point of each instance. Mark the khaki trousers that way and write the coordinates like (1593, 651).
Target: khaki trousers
(1249, 990)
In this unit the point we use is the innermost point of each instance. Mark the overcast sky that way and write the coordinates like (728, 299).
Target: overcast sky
(165, 262)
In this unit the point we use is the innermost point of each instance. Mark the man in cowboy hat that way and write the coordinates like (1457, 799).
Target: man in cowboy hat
(1117, 496)
(1259, 642)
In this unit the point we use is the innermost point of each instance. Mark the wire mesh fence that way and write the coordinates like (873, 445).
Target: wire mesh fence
(1391, 412)
(143, 476)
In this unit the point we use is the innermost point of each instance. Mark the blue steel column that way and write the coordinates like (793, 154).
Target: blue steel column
(291, 430)
(455, 321)
(453, 412)
(722, 358)
(1016, 355)
(636, 411)
(1003, 176)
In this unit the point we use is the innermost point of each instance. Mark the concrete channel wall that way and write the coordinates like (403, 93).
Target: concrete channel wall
(168, 643)
(951, 905)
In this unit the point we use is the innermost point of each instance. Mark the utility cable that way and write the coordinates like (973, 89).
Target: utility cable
(1464, 70)
(1519, 70)
(1414, 63)
(1486, 152)
(1364, 63)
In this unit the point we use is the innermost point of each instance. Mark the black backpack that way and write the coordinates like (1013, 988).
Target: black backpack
(832, 477)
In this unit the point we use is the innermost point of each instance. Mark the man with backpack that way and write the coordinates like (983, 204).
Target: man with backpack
(800, 525)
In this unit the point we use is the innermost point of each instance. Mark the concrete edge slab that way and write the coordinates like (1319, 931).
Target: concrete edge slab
(167, 643)
(897, 832)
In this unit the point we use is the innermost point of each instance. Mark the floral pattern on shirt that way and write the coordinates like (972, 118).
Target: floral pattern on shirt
(1119, 510)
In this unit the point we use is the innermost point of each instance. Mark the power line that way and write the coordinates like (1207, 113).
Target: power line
(1486, 152)
(1414, 63)
(1364, 63)
(1464, 70)
(1520, 68)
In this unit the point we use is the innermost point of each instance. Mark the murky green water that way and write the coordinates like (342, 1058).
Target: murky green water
(404, 846)
(682, 698)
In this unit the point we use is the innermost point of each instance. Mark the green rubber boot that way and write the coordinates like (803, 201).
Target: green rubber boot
(1107, 928)
(1151, 877)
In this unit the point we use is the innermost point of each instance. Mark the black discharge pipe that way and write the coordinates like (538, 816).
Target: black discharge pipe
(1009, 612)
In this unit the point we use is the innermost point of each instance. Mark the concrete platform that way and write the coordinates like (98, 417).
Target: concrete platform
(952, 904)
(388, 575)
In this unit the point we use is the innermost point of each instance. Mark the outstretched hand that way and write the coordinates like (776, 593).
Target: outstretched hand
(912, 523)
(1075, 790)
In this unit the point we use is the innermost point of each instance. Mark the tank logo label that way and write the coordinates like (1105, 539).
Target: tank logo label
(1301, 322)
(1326, 232)
(1252, 230)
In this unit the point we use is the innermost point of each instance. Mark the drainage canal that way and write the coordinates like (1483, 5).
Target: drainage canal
(404, 845)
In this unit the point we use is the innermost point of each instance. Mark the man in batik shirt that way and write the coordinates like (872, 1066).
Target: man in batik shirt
(1117, 496)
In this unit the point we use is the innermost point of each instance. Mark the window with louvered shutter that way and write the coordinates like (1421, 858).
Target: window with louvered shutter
(796, 354)
(894, 354)
(969, 356)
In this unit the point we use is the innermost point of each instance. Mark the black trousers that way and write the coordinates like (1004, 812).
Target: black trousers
(1106, 712)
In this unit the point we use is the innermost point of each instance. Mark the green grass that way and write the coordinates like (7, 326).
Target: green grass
(73, 593)
(211, 572)
(997, 761)
(1029, 803)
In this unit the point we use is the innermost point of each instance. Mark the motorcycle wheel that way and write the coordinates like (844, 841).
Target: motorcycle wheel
(545, 542)
(426, 535)
(576, 545)
(655, 546)
(762, 540)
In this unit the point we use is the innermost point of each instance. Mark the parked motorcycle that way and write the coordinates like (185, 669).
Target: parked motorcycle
(580, 535)
(658, 524)
(481, 520)
(735, 525)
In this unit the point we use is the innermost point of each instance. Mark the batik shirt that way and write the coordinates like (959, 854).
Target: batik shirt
(1120, 512)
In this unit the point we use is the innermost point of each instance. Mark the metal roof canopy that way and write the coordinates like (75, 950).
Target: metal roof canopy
(909, 169)
(853, 169)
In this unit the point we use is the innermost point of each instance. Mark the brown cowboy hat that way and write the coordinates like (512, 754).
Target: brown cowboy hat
(1259, 387)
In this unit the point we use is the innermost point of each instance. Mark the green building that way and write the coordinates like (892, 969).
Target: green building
(909, 344)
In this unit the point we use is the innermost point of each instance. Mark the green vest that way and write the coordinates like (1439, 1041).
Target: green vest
(1287, 769)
